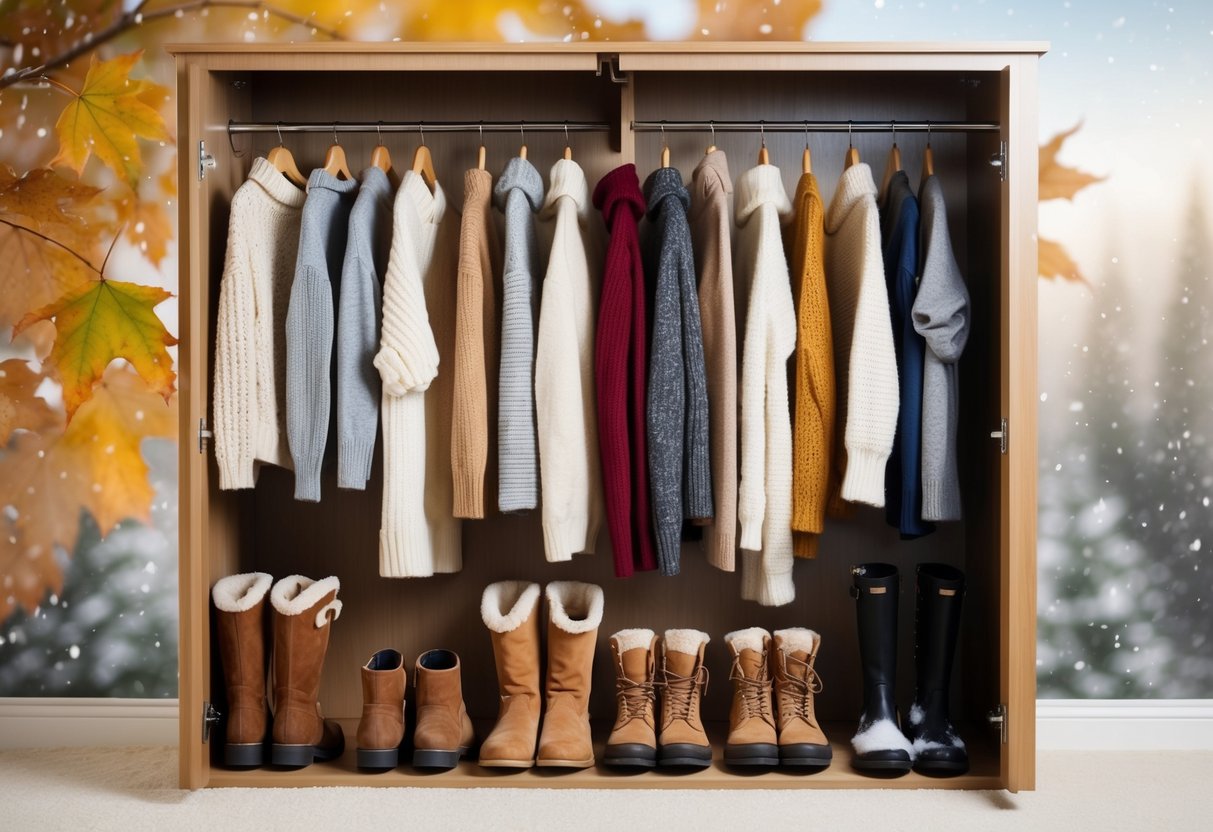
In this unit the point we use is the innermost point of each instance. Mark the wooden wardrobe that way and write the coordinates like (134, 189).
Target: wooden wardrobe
(990, 180)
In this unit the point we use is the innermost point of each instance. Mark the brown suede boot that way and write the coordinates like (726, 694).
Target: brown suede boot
(303, 611)
(381, 729)
(240, 627)
(802, 743)
(574, 613)
(444, 732)
(683, 680)
(633, 740)
(510, 610)
(752, 739)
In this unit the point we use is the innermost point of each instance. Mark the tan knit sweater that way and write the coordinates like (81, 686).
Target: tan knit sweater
(474, 428)
(813, 387)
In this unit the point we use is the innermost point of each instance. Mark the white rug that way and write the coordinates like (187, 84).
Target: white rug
(134, 789)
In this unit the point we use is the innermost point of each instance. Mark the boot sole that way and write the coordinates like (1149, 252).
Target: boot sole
(882, 765)
(438, 758)
(298, 756)
(630, 755)
(941, 769)
(685, 755)
(805, 756)
(586, 763)
(507, 763)
(378, 757)
(243, 754)
(753, 754)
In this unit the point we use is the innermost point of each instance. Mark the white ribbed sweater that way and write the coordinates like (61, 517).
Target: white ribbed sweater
(864, 357)
(764, 503)
(250, 341)
(419, 534)
(566, 409)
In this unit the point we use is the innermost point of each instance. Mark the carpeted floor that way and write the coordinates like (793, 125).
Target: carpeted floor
(134, 789)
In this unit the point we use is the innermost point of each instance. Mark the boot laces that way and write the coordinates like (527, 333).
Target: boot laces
(795, 693)
(678, 691)
(635, 698)
(754, 692)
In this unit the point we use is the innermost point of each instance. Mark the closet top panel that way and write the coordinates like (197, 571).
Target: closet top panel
(622, 48)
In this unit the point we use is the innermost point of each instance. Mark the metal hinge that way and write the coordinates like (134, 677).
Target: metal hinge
(998, 718)
(999, 160)
(204, 435)
(205, 160)
(1002, 434)
(611, 62)
(210, 718)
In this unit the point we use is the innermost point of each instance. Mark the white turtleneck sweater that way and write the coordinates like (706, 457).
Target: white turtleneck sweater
(566, 410)
(864, 356)
(764, 504)
(419, 534)
(249, 398)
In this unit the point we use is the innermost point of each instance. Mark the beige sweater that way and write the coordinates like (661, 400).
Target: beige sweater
(250, 341)
(711, 229)
(474, 427)
(419, 534)
(864, 358)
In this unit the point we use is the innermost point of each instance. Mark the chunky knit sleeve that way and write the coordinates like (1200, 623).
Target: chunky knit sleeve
(235, 396)
(309, 349)
(357, 381)
(408, 356)
(751, 493)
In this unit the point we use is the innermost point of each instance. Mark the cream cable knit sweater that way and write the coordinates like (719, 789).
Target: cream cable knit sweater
(866, 375)
(250, 341)
(419, 534)
(764, 505)
(566, 411)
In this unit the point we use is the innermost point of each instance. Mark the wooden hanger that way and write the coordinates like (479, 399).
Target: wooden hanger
(568, 148)
(893, 165)
(806, 158)
(334, 161)
(284, 162)
(712, 146)
(423, 162)
(764, 158)
(665, 148)
(522, 150)
(381, 157)
(852, 151)
(928, 158)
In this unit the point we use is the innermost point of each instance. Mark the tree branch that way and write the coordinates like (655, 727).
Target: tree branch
(19, 227)
(137, 17)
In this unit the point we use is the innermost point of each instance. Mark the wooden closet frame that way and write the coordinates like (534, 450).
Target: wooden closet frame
(218, 82)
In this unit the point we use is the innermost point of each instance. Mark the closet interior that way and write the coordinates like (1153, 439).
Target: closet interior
(622, 102)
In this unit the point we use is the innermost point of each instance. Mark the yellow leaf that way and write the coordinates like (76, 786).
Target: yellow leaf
(1056, 180)
(43, 493)
(44, 198)
(109, 114)
(101, 320)
(19, 407)
(34, 272)
(1054, 262)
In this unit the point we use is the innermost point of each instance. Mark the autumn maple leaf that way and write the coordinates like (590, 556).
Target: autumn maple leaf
(1057, 181)
(20, 406)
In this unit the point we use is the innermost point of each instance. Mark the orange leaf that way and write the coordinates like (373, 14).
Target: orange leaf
(101, 320)
(44, 197)
(19, 407)
(28, 570)
(147, 225)
(1056, 180)
(35, 272)
(44, 491)
(1054, 262)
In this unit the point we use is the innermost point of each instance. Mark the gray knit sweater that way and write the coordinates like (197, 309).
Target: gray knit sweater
(941, 316)
(309, 325)
(679, 465)
(518, 194)
(358, 312)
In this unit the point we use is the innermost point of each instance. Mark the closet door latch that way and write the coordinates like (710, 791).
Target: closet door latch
(997, 717)
(999, 160)
(210, 718)
(205, 160)
(204, 435)
(1001, 435)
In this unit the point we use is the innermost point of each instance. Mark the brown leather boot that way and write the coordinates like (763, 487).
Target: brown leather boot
(574, 613)
(240, 627)
(510, 610)
(444, 732)
(752, 739)
(684, 681)
(802, 743)
(303, 611)
(633, 740)
(381, 729)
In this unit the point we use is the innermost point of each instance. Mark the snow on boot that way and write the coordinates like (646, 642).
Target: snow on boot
(879, 743)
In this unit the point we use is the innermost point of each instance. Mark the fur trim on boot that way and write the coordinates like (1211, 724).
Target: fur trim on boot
(295, 594)
(239, 593)
(798, 639)
(685, 641)
(882, 735)
(751, 638)
(506, 605)
(635, 639)
(567, 599)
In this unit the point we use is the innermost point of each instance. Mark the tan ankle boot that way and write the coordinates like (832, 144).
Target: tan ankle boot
(510, 610)
(574, 613)
(752, 738)
(240, 627)
(633, 740)
(381, 729)
(683, 680)
(444, 732)
(303, 611)
(801, 740)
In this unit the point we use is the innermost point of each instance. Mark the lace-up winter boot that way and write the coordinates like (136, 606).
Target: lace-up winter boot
(510, 610)
(444, 732)
(381, 729)
(801, 740)
(240, 627)
(879, 743)
(574, 613)
(684, 681)
(303, 611)
(752, 738)
(633, 741)
(937, 749)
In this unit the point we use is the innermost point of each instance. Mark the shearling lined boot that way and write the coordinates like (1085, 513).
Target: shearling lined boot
(240, 627)
(381, 729)
(937, 748)
(802, 743)
(633, 740)
(752, 737)
(303, 611)
(574, 613)
(510, 610)
(879, 744)
(684, 681)
(444, 731)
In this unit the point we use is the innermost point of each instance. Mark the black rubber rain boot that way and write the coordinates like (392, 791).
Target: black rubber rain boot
(880, 746)
(937, 749)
